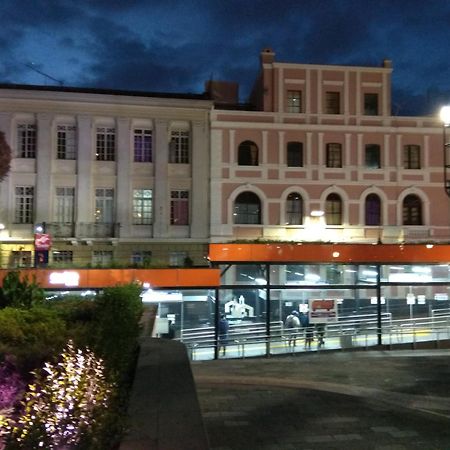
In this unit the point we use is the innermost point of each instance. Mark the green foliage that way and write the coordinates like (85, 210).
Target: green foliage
(31, 335)
(20, 293)
(119, 310)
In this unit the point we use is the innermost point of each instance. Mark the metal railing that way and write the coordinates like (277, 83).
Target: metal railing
(251, 339)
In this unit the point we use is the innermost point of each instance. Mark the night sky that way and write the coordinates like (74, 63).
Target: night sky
(174, 46)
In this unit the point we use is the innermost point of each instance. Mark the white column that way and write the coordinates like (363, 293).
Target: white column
(44, 158)
(85, 161)
(200, 181)
(161, 193)
(123, 183)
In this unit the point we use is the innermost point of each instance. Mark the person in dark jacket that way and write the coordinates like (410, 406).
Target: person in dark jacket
(224, 327)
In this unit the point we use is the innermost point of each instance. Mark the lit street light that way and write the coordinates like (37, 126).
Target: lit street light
(445, 117)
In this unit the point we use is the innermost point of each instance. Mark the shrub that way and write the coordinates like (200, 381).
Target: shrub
(64, 405)
(20, 293)
(31, 335)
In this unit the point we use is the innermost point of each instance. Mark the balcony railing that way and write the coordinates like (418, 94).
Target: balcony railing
(83, 230)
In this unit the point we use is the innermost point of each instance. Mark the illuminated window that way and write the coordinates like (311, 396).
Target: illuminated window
(106, 144)
(294, 209)
(294, 154)
(294, 101)
(334, 155)
(143, 145)
(333, 210)
(412, 210)
(24, 204)
(179, 208)
(66, 142)
(373, 210)
(247, 209)
(26, 140)
(142, 206)
(179, 147)
(411, 156)
(247, 154)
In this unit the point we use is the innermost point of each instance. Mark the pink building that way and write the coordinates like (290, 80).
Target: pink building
(319, 157)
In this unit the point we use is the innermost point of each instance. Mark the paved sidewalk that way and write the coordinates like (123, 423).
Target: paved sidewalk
(380, 400)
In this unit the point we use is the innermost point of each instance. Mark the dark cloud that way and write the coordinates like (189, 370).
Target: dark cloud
(174, 46)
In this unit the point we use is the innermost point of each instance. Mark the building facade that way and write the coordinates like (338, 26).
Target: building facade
(317, 156)
(114, 178)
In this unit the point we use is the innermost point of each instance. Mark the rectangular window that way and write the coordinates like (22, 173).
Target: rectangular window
(104, 205)
(64, 204)
(106, 144)
(26, 140)
(21, 258)
(411, 157)
(142, 206)
(24, 203)
(177, 259)
(332, 103)
(295, 154)
(66, 141)
(143, 145)
(102, 258)
(141, 258)
(294, 101)
(179, 208)
(334, 155)
(179, 147)
(373, 160)
(371, 104)
(62, 256)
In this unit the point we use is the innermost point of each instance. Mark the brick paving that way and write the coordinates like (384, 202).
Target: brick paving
(398, 400)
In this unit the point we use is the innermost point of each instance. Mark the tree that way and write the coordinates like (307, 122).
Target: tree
(5, 156)
(20, 293)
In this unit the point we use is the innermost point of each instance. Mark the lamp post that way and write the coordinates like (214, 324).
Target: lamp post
(445, 117)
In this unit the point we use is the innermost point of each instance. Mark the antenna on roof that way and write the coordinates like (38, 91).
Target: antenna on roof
(31, 66)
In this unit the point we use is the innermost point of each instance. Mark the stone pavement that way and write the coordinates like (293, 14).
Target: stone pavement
(380, 400)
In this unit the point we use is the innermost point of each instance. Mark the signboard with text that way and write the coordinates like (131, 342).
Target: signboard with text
(42, 241)
(323, 311)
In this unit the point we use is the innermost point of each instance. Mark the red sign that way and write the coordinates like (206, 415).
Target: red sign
(42, 241)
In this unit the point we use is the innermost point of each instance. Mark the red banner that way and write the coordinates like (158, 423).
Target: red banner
(42, 241)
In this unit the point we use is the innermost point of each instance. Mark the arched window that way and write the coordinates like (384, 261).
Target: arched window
(373, 210)
(412, 210)
(294, 209)
(247, 154)
(247, 209)
(333, 210)
(294, 156)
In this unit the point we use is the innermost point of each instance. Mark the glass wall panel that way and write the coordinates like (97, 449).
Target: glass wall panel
(415, 273)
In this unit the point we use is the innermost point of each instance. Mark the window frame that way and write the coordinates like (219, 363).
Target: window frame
(332, 102)
(412, 157)
(179, 146)
(247, 213)
(294, 209)
(66, 142)
(24, 204)
(372, 216)
(294, 154)
(372, 156)
(142, 206)
(412, 210)
(179, 207)
(105, 147)
(104, 205)
(333, 209)
(248, 154)
(64, 204)
(371, 104)
(26, 140)
(144, 154)
(334, 155)
(294, 101)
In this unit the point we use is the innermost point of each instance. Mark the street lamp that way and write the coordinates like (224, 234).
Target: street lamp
(445, 117)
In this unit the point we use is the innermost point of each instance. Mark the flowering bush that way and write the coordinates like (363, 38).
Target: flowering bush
(11, 387)
(63, 405)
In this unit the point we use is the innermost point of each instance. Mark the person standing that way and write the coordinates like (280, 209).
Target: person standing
(224, 327)
(291, 326)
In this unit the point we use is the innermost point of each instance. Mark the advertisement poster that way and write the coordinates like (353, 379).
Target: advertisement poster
(323, 311)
